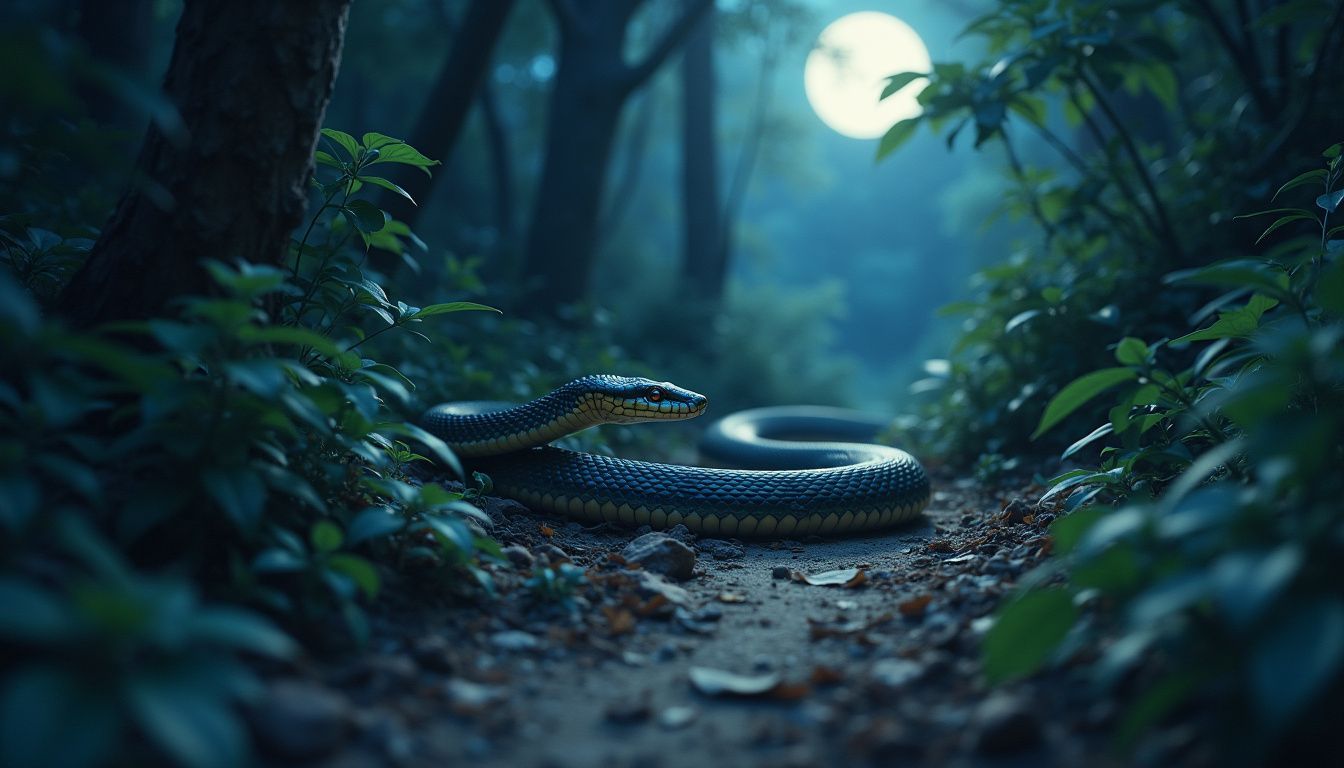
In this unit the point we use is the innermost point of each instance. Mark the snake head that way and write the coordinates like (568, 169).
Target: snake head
(628, 399)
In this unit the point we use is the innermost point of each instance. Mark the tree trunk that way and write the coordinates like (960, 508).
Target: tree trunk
(592, 84)
(705, 258)
(450, 100)
(251, 80)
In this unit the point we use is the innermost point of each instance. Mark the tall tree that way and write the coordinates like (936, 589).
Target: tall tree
(592, 83)
(452, 96)
(705, 248)
(251, 80)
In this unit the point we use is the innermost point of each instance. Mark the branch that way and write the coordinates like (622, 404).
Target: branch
(1246, 60)
(1140, 165)
(673, 37)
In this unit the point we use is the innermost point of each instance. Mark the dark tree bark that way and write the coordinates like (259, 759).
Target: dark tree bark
(251, 80)
(592, 83)
(705, 252)
(450, 100)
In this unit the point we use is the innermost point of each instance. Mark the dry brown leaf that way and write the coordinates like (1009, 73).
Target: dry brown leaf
(915, 606)
(824, 675)
(547, 530)
(619, 620)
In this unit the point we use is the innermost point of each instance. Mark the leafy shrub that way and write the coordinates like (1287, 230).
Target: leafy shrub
(1209, 540)
(242, 444)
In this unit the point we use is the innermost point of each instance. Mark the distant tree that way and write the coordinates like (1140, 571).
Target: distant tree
(704, 241)
(592, 83)
(251, 80)
(451, 98)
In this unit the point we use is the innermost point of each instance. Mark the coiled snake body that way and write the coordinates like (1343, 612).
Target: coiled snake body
(784, 488)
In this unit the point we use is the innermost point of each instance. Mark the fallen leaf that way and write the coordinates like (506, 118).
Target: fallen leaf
(619, 620)
(824, 675)
(859, 580)
(940, 545)
(915, 606)
(718, 682)
(732, 597)
(841, 577)
(789, 691)
(819, 629)
(961, 558)
(547, 530)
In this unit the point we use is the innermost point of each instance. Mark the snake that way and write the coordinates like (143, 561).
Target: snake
(780, 482)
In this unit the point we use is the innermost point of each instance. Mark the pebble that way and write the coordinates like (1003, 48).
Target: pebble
(432, 653)
(1016, 511)
(720, 549)
(519, 556)
(673, 718)
(1003, 724)
(515, 640)
(660, 553)
(894, 674)
(299, 720)
(780, 572)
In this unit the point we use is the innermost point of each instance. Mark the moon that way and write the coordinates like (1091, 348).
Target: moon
(849, 66)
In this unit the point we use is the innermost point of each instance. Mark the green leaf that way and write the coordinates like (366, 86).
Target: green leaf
(897, 135)
(1238, 323)
(379, 181)
(237, 491)
(373, 523)
(1289, 219)
(343, 140)
(897, 82)
(1068, 530)
(196, 727)
(359, 570)
(1239, 273)
(1330, 200)
(324, 158)
(1131, 351)
(285, 334)
(451, 306)
(1079, 392)
(1026, 632)
(366, 217)
(1301, 179)
(326, 536)
(239, 629)
(1299, 655)
(396, 151)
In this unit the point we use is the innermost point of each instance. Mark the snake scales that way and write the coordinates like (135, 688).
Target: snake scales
(784, 488)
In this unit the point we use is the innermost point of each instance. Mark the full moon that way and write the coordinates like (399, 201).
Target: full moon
(849, 67)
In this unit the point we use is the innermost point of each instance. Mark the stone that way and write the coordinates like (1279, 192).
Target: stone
(660, 553)
(300, 720)
(1003, 725)
(720, 549)
(515, 640)
(519, 556)
(780, 572)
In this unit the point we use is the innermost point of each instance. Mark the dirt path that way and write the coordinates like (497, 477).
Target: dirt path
(884, 669)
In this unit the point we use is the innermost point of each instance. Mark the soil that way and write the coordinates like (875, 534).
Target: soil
(745, 663)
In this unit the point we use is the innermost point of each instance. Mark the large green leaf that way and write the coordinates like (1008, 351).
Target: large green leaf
(1026, 632)
(1078, 393)
(897, 135)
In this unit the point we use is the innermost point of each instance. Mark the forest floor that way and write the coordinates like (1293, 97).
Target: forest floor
(743, 663)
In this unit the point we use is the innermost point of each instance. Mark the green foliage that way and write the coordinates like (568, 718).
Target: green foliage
(1137, 165)
(1211, 531)
(242, 444)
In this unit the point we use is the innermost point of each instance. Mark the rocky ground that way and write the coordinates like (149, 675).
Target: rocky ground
(614, 647)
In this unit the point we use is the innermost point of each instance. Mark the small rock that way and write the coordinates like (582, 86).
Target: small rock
(432, 653)
(630, 709)
(1003, 724)
(720, 549)
(1016, 511)
(681, 533)
(660, 553)
(515, 640)
(550, 553)
(653, 584)
(780, 572)
(673, 718)
(299, 720)
(893, 674)
(519, 556)
(468, 698)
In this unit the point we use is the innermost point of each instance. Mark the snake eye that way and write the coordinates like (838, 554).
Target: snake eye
(654, 394)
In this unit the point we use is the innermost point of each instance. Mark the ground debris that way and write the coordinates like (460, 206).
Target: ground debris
(849, 578)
